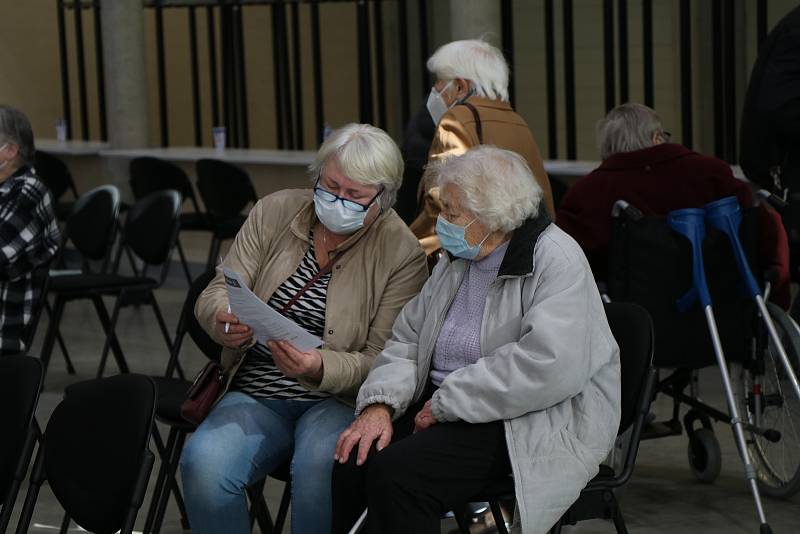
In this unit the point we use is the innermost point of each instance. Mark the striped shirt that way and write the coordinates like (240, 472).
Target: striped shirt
(259, 376)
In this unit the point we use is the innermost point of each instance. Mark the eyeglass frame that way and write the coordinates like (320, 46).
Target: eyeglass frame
(346, 202)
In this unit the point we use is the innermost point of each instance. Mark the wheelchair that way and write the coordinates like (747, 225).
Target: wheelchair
(654, 261)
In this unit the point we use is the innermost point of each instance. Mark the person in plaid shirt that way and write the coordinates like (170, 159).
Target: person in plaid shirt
(29, 236)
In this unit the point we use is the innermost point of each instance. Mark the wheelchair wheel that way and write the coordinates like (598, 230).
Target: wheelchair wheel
(777, 464)
(705, 457)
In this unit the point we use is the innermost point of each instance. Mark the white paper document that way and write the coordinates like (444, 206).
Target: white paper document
(267, 324)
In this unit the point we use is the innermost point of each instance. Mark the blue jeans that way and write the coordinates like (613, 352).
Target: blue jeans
(242, 440)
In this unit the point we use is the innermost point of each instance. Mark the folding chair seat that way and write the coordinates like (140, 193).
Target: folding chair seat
(20, 383)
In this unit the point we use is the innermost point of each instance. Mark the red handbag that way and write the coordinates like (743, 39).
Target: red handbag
(203, 393)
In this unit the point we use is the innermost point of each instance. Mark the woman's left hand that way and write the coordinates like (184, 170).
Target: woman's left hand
(294, 363)
(424, 418)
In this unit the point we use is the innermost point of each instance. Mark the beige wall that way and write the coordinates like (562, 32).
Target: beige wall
(30, 77)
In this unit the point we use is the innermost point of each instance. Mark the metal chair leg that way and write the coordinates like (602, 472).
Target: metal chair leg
(169, 482)
(110, 334)
(499, 520)
(60, 340)
(164, 453)
(258, 508)
(37, 477)
(557, 527)
(50, 334)
(462, 519)
(102, 313)
(63, 347)
(184, 263)
(283, 508)
(163, 326)
(619, 521)
(65, 524)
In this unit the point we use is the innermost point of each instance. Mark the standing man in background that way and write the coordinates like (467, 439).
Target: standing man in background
(469, 104)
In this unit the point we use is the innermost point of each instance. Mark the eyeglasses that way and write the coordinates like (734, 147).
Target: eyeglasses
(666, 136)
(352, 205)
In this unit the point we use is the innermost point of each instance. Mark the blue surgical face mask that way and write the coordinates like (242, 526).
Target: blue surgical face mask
(453, 239)
(340, 216)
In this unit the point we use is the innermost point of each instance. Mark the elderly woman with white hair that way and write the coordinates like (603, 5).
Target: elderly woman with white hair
(503, 364)
(469, 104)
(340, 263)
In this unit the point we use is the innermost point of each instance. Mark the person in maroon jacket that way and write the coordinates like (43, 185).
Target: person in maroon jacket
(642, 167)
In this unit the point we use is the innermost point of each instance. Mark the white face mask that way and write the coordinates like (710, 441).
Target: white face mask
(436, 106)
(335, 216)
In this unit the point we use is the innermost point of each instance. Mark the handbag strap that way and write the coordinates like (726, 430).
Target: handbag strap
(478, 125)
(322, 272)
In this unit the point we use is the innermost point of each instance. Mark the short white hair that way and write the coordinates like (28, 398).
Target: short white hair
(498, 186)
(366, 155)
(626, 128)
(476, 61)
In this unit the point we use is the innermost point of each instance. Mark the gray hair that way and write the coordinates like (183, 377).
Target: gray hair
(474, 60)
(626, 128)
(366, 155)
(15, 128)
(498, 186)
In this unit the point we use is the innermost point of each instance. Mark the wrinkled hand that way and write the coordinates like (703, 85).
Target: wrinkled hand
(294, 363)
(375, 422)
(424, 418)
(238, 334)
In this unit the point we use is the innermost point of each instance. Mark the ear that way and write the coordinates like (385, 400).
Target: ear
(657, 138)
(462, 87)
(11, 151)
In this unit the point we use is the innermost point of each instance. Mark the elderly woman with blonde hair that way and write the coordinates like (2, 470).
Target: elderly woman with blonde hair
(503, 364)
(340, 263)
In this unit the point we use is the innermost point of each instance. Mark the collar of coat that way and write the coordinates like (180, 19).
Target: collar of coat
(518, 259)
(483, 102)
(645, 157)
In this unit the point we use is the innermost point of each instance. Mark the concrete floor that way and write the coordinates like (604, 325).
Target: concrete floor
(662, 497)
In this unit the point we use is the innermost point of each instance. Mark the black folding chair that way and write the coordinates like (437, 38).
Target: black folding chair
(20, 383)
(633, 330)
(226, 190)
(150, 231)
(56, 176)
(91, 228)
(149, 175)
(95, 454)
(171, 394)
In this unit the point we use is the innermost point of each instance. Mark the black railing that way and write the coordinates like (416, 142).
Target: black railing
(226, 95)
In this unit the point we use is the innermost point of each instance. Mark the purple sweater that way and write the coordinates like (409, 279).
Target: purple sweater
(459, 342)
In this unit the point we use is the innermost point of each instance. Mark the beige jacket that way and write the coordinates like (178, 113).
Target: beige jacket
(457, 133)
(382, 267)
